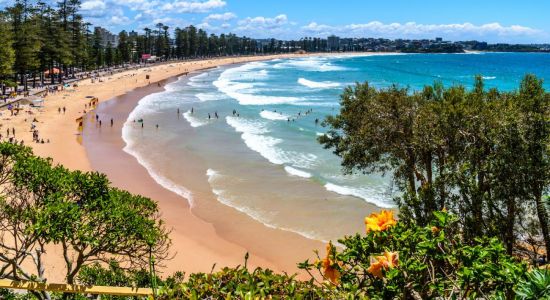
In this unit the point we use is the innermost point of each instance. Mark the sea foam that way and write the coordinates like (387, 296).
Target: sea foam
(318, 64)
(275, 116)
(210, 96)
(363, 193)
(254, 134)
(317, 84)
(157, 176)
(198, 80)
(194, 121)
(295, 172)
(254, 213)
(241, 83)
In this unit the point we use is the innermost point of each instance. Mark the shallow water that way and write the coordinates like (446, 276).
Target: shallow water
(265, 160)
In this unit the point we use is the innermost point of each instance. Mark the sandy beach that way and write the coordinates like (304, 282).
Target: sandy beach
(196, 244)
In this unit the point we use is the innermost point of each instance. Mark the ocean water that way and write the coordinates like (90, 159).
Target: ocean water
(264, 159)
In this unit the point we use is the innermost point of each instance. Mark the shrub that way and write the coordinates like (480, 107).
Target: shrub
(406, 261)
(536, 285)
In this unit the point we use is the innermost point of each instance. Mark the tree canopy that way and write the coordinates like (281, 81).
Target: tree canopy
(42, 204)
(482, 154)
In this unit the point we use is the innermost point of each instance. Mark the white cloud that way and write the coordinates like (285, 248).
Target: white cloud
(93, 5)
(266, 27)
(263, 22)
(182, 6)
(119, 20)
(490, 31)
(220, 17)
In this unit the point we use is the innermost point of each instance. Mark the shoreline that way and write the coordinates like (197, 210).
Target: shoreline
(198, 243)
(202, 245)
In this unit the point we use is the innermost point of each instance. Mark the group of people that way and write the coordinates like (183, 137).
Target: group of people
(100, 123)
(236, 113)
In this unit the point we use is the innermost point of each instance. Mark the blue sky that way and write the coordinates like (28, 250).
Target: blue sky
(491, 20)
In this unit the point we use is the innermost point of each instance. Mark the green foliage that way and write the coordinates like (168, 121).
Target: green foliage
(7, 53)
(240, 283)
(536, 285)
(433, 262)
(80, 212)
(228, 283)
(482, 154)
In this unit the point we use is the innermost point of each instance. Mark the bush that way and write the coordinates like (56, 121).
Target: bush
(240, 283)
(536, 285)
(400, 261)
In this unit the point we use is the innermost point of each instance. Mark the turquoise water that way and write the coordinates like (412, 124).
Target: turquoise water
(264, 160)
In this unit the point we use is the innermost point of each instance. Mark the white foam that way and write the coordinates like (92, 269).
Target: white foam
(317, 84)
(319, 64)
(259, 217)
(236, 90)
(230, 82)
(210, 96)
(295, 172)
(199, 80)
(254, 136)
(489, 77)
(255, 213)
(365, 194)
(194, 121)
(275, 116)
(212, 174)
(157, 176)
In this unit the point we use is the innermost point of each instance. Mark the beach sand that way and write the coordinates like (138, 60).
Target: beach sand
(196, 244)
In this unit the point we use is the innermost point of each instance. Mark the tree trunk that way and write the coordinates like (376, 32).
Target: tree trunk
(543, 220)
(510, 221)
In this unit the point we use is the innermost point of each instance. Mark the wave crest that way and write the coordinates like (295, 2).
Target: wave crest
(318, 84)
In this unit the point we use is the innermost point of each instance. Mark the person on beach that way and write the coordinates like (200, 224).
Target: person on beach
(99, 123)
(141, 124)
(178, 111)
(59, 110)
(13, 131)
(192, 111)
(316, 121)
(157, 126)
(216, 114)
(111, 122)
(208, 116)
(64, 109)
(96, 117)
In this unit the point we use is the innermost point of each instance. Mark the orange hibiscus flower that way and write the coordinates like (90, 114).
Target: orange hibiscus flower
(328, 265)
(380, 222)
(383, 262)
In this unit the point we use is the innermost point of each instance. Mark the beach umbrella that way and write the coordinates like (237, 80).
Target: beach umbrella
(54, 71)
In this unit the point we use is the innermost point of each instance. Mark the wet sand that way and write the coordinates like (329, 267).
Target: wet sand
(197, 245)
